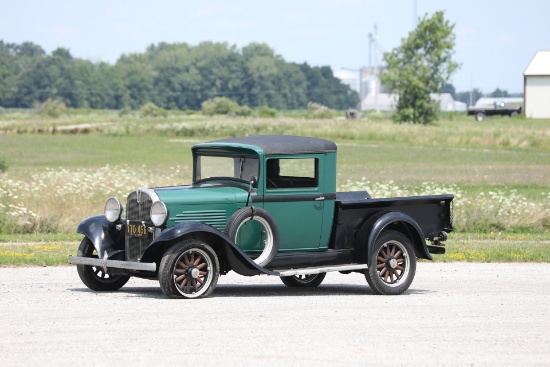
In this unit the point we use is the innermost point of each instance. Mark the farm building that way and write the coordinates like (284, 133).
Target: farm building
(537, 86)
(387, 102)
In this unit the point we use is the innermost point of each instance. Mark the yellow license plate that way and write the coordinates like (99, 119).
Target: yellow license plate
(137, 230)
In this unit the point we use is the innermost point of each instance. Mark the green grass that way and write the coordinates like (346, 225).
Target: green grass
(34, 151)
(51, 254)
(44, 238)
(501, 247)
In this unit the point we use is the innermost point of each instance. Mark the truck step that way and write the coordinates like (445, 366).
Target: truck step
(318, 270)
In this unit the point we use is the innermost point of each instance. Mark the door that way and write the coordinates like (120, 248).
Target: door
(294, 197)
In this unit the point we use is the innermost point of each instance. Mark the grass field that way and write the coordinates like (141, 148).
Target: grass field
(499, 170)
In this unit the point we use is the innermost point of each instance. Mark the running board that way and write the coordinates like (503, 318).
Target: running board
(323, 269)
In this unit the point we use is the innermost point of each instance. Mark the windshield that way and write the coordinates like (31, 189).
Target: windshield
(242, 168)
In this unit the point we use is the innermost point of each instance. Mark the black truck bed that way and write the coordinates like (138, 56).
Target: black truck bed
(432, 213)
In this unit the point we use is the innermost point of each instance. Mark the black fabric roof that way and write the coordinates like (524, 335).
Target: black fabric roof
(283, 144)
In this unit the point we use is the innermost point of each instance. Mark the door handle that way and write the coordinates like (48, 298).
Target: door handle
(320, 198)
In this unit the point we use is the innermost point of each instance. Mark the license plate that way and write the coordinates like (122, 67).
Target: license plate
(137, 230)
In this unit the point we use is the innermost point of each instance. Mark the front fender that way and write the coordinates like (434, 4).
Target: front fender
(103, 234)
(374, 226)
(238, 260)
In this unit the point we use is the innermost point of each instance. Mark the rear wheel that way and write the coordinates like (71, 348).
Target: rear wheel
(94, 277)
(392, 264)
(189, 269)
(304, 281)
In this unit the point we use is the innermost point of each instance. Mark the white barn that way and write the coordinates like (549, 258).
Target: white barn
(537, 86)
(387, 102)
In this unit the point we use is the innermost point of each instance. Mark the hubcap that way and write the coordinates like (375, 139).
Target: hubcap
(392, 263)
(195, 273)
(192, 273)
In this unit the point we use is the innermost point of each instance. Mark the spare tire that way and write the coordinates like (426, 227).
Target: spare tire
(252, 213)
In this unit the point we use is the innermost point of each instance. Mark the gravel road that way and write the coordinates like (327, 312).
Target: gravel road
(454, 315)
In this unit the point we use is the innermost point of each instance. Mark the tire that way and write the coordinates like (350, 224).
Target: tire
(514, 114)
(269, 227)
(94, 277)
(304, 281)
(189, 269)
(480, 116)
(392, 265)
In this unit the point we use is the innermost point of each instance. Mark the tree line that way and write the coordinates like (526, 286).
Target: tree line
(172, 76)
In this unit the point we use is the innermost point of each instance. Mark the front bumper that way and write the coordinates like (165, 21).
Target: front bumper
(105, 264)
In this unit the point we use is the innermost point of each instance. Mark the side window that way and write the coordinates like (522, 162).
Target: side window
(286, 173)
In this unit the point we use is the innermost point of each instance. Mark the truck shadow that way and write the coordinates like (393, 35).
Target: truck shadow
(232, 290)
(263, 290)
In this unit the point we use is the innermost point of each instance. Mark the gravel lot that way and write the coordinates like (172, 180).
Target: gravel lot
(453, 314)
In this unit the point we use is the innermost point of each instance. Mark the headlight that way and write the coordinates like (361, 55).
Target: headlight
(113, 209)
(159, 213)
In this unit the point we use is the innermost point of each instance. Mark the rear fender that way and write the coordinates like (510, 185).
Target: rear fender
(398, 221)
(237, 259)
(103, 234)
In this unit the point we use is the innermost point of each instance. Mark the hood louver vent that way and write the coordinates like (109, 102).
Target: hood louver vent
(215, 218)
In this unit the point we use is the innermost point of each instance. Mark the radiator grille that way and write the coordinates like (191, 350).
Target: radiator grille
(215, 218)
(138, 210)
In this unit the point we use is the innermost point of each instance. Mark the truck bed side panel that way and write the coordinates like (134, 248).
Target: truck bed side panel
(432, 213)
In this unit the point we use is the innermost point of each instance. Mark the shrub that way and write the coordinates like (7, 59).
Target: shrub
(3, 165)
(51, 108)
(220, 106)
(125, 111)
(318, 111)
(245, 111)
(265, 111)
(152, 110)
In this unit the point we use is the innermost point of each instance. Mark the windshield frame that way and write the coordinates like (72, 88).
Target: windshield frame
(241, 171)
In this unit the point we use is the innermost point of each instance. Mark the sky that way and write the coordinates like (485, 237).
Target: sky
(495, 40)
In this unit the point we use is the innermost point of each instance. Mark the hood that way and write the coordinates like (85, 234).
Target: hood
(203, 194)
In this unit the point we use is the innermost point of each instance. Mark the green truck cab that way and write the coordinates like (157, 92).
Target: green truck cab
(260, 205)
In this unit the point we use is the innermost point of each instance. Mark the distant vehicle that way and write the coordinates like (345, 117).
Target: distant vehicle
(498, 108)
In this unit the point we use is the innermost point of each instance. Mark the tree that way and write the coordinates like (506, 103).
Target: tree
(172, 76)
(470, 98)
(423, 64)
(500, 93)
(449, 88)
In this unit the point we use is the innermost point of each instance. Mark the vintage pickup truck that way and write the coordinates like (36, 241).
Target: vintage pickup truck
(496, 109)
(260, 205)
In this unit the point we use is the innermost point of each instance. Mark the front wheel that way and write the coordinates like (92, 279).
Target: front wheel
(392, 264)
(480, 116)
(304, 281)
(94, 277)
(189, 269)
